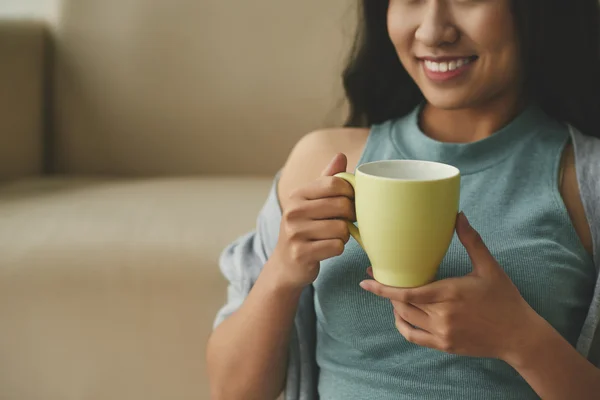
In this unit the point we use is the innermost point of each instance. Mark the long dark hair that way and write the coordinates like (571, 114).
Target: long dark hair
(560, 42)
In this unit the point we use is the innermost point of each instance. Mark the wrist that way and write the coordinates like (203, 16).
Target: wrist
(534, 337)
(279, 281)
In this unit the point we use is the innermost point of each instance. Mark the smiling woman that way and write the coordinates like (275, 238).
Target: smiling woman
(489, 87)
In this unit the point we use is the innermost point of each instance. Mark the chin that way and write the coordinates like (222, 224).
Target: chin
(448, 101)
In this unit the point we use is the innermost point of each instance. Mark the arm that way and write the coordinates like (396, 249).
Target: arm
(247, 353)
(553, 368)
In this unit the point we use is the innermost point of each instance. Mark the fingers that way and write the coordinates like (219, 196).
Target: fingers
(337, 165)
(309, 252)
(324, 187)
(471, 239)
(432, 293)
(329, 208)
(414, 335)
(322, 230)
(480, 256)
(324, 249)
(413, 315)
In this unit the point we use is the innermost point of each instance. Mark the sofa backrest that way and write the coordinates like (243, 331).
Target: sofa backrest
(22, 88)
(155, 87)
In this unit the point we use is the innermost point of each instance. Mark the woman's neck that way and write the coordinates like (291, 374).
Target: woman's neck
(468, 124)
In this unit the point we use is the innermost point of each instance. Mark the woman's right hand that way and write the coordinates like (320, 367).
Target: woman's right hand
(313, 226)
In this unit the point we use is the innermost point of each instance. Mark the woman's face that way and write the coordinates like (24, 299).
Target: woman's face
(461, 53)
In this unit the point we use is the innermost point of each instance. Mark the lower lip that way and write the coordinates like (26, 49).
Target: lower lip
(448, 75)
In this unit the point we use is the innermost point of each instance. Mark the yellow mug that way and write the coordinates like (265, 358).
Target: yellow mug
(406, 212)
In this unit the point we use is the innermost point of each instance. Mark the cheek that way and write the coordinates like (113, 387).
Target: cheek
(497, 38)
(400, 31)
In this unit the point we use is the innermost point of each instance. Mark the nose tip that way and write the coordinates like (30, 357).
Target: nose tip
(433, 35)
(436, 27)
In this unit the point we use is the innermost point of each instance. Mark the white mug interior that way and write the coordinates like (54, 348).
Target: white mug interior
(408, 170)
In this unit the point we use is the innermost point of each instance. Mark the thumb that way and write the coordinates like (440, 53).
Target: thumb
(338, 164)
(480, 256)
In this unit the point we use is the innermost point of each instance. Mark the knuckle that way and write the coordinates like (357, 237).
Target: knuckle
(329, 183)
(453, 293)
(341, 227)
(408, 335)
(447, 346)
(447, 333)
(294, 212)
(448, 317)
(403, 313)
(290, 231)
(404, 296)
(296, 253)
(295, 193)
(338, 247)
(289, 214)
(376, 289)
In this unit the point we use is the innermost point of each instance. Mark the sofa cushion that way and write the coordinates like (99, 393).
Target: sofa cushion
(108, 288)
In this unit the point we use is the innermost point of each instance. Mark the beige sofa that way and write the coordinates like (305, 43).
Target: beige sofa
(137, 139)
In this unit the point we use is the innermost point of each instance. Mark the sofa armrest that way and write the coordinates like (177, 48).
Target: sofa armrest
(22, 92)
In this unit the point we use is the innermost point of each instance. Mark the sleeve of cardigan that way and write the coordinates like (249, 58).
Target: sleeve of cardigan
(242, 261)
(587, 155)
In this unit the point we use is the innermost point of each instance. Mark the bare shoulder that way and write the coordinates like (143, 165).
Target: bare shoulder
(572, 198)
(314, 152)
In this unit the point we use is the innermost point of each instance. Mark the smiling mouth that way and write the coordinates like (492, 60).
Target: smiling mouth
(446, 69)
(447, 64)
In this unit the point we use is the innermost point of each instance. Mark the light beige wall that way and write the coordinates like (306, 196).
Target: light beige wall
(47, 9)
(188, 86)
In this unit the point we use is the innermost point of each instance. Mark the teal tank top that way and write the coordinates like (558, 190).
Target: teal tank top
(510, 193)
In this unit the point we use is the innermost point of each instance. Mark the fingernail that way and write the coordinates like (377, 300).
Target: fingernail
(364, 285)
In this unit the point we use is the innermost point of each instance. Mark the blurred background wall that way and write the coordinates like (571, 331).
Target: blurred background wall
(157, 87)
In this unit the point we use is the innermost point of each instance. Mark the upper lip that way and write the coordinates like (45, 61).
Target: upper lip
(444, 58)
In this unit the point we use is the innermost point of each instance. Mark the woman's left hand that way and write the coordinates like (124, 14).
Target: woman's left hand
(481, 314)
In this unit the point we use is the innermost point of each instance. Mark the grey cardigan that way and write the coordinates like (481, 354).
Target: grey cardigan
(242, 261)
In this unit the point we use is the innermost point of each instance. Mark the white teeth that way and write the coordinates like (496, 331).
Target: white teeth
(446, 66)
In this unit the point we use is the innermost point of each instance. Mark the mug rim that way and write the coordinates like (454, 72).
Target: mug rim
(455, 171)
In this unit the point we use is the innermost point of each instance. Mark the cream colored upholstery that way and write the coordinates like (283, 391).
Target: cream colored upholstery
(109, 285)
(108, 288)
(21, 98)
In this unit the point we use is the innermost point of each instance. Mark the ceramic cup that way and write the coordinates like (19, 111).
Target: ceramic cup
(406, 212)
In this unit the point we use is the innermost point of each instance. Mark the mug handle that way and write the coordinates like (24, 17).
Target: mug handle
(351, 179)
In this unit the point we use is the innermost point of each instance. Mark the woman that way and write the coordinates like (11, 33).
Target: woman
(507, 91)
